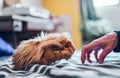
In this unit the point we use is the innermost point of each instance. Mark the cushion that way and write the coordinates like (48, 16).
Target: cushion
(5, 48)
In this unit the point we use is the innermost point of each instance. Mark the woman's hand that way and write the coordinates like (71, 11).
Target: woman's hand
(106, 42)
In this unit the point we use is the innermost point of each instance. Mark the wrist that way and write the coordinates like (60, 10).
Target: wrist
(115, 36)
(117, 49)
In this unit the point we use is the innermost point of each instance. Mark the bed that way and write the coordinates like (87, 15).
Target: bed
(71, 68)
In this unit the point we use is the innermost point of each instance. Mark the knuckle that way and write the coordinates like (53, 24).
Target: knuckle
(96, 41)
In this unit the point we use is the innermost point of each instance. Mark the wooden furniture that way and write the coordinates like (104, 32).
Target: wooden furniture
(6, 29)
(14, 30)
(6, 23)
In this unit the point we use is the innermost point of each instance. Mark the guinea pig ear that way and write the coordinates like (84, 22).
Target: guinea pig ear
(51, 43)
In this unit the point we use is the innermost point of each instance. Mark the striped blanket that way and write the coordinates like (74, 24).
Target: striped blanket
(65, 69)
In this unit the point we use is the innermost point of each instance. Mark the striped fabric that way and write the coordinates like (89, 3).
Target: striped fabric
(64, 69)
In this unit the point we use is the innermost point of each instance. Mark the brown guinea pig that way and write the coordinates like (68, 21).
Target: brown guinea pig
(44, 50)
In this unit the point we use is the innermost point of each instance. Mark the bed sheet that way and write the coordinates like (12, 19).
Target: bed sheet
(71, 68)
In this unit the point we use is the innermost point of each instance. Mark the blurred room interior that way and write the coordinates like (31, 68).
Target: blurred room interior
(98, 17)
(85, 20)
(27, 18)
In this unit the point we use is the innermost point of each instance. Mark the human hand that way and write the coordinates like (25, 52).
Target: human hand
(106, 42)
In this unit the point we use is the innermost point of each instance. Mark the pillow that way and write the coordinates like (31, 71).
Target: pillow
(5, 48)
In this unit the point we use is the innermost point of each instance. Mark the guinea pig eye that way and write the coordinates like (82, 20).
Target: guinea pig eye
(67, 46)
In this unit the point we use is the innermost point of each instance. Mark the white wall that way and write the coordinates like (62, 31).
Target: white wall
(30, 2)
(112, 13)
(1, 4)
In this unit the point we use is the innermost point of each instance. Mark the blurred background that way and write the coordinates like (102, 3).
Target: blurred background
(85, 20)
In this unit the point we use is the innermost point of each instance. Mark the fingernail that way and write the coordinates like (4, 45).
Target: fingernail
(90, 61)
(82, 61)
(100, 61)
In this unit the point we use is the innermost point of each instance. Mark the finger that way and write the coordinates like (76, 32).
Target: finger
(103, 55)
(85, 49)
(95, 45)
(83, 55)
(96, 55)
(88, 56)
